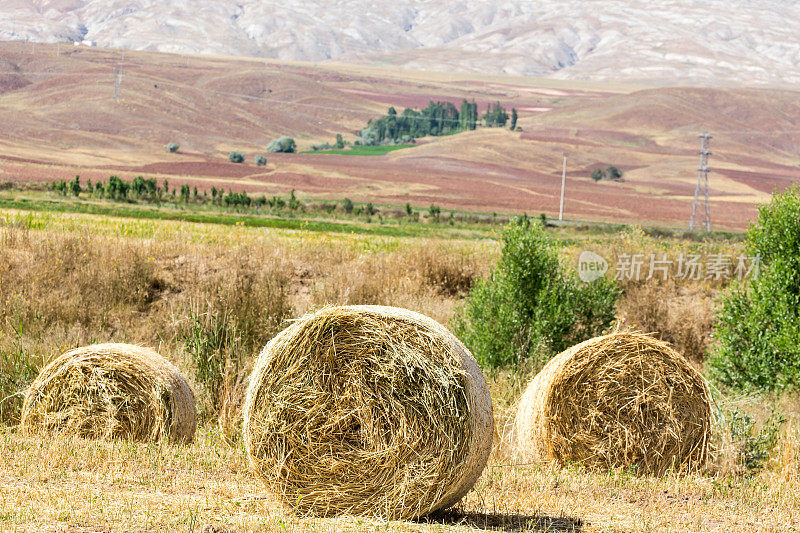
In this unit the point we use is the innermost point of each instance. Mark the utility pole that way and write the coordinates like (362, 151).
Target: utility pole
(563, 185)
(117, 82)
(702, 183)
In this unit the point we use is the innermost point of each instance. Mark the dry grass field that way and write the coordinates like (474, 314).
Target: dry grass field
(72, 279)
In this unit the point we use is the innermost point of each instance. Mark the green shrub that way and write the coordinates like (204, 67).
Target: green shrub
(531, 307)
(260, 160)
(172, 148)
(236, 157)
(294, 202)
(282, 145)
(758, 325)
(347, 205)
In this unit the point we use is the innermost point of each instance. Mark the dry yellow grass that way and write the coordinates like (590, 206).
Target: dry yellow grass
(68, 280)
(80, 485)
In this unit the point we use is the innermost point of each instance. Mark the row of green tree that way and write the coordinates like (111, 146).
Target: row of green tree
(439, 118)
(149, 190)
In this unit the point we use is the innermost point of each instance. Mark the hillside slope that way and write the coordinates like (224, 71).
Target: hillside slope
(60, 118)
(664, 41)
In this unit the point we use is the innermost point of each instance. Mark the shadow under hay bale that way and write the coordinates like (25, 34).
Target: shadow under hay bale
(621, 400)
(367, 410)
(111, 391)
(506, 522)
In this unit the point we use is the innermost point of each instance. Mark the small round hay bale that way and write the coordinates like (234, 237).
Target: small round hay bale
(620, 400)
(367, 410)
(111, 391)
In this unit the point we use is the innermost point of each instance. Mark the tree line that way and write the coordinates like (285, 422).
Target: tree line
(149, 190)
(439, 118)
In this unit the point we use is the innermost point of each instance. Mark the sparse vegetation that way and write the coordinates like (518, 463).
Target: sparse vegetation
(283, 144)
(439, 118)
(236, 157)
(260, 160)
(181, 286)
(609, 173)
(172, 148)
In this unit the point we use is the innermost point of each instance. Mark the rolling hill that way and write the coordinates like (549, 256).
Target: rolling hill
(662, 41)
(60, 118)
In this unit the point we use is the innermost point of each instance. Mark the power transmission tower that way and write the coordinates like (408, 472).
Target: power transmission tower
(702, 183)
(117, 82)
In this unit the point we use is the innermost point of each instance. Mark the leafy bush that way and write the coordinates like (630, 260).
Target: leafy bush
(172, 148)
(282, 145)
(758, 326)
(75, 186)
(610, 173)
(347, 205)
(294, 202)
(236, 157)
(260, 160)
(531, 307)
(434, 211)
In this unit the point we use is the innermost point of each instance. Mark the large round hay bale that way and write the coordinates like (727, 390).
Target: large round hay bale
(367, 410)
(620, 400)
(111, 391)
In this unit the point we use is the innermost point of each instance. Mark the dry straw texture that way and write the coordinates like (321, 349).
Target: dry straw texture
(111, 391)
(368, 410)
(620, 400)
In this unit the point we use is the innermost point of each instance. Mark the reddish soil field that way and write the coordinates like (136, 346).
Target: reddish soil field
(59, 119)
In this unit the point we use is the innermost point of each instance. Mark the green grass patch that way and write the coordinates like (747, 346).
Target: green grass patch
(294, 222)
(364, 150)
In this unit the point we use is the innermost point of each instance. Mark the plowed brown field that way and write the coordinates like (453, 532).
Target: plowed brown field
(58, 118)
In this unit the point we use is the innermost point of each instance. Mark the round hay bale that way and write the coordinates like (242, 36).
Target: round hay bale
(620, 400)
(367, 410)
(111, 391)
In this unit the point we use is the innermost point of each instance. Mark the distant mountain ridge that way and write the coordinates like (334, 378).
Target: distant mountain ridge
(711, 42)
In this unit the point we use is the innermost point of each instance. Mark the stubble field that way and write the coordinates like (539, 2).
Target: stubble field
(72, 279)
